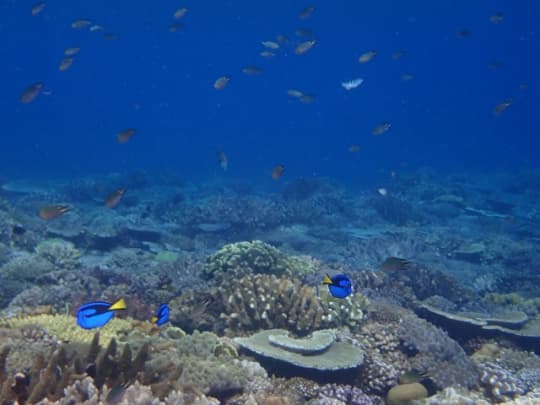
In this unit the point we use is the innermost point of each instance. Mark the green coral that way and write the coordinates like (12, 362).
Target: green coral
(59, 252)
(242, 258)
(166, 256)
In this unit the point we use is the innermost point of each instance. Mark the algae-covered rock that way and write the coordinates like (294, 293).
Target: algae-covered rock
(242, 258)
(404, 393)
(337, 356)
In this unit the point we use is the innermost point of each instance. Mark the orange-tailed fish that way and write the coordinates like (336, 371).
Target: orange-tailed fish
(381, 128)
(277, 172)
(367, 56)
(222, 82)
(303, 47)
(38, 8)
(125, 135)
(52, 211)
(114, 198)
(223, 160)
(31, 92)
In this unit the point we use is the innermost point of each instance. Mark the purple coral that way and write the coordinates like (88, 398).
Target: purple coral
(345, 393)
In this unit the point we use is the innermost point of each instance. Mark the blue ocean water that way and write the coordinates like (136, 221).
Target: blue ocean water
(160, 83)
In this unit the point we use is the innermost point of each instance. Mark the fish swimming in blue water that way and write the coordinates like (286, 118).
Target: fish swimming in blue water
(97, 313)
(340, 286)
(162, 315)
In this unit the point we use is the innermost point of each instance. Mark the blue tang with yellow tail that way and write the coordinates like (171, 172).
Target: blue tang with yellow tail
(97, 313)
(162, 315)
(340, 286)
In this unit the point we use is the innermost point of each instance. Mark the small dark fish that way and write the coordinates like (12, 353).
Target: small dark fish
(523, 86)
(81, 23)
(502, 106)
(252, 70)
(367, 56)
(31, 92)
(397, 55)
(65, 64)
(393, 263)
(98, 313)
(303, 47)
(497, 64)
(223, 160)
(307, 98)
(277, 172)
(340, 286)
(354, 148)
(282, 38)
(407, 76)
(222, 82)
(115, 197)
(174, 27)
(412, 376)
(18, 230)
(116, 394)
(497, 18)
(38, 8)
(180, 13)
(125, 135)
(53, 211)
(307, 12)
(162, 315)
(381, 128)
(110, 37)
(464, 33)
(303, 32)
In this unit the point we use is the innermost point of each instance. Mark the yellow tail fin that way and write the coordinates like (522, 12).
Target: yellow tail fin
(327, 280)
(154, 319)
(118, 305)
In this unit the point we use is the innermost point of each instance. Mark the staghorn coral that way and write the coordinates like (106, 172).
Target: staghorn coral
(242, 258)
(61, 253)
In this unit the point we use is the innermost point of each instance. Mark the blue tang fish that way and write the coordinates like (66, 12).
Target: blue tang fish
(340, 286)
(98, 313)
(162, 315)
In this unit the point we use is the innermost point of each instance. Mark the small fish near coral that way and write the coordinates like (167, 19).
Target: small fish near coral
(340, 286)
(115, 197)
(97, 313)
(162, 315)
(52, 211)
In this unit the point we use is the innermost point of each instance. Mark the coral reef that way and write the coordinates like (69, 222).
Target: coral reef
(242, 258)
(61, 253)
(263, 301)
